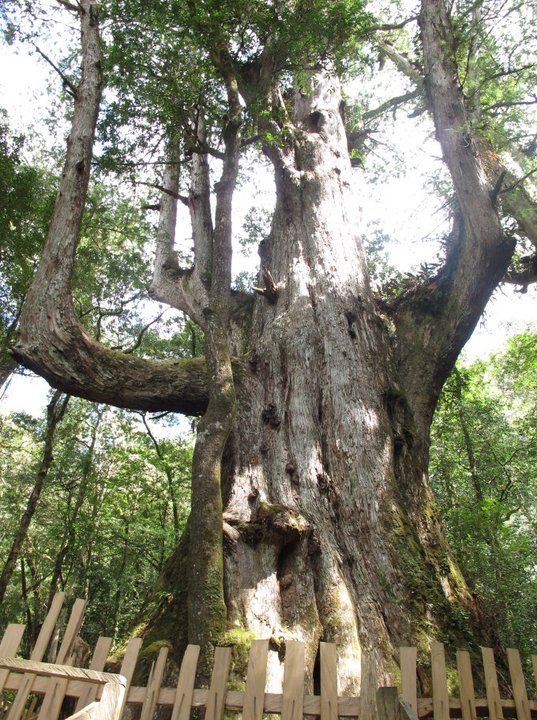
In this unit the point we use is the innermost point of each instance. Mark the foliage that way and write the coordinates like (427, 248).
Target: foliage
(104, 526)
(483, 471)
(26, 202)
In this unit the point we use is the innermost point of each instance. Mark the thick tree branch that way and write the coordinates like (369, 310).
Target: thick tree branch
(436, 319)
(51, 340)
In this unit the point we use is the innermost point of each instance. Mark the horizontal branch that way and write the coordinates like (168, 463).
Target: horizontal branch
(84, 368)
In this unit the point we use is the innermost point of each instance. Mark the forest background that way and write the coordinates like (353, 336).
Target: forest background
(93, 499)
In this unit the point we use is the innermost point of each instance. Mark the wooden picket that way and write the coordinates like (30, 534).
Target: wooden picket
(41, 687)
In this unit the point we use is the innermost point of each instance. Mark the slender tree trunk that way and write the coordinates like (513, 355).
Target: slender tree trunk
(170, 480)
(55, 412)
(69, 539)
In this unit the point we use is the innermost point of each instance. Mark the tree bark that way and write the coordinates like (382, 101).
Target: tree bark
(329, 524)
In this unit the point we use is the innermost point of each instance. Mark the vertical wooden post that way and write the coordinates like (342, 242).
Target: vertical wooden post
(520, 693)
(408, 657)
(368, 687)
(153, 685)
(491, 684)
(98, 660)
(466, 684)
(329, 704)
(440, 688)
(185, 684)
(256, 678)
(293, 681)
(388, 704)
(216, 699)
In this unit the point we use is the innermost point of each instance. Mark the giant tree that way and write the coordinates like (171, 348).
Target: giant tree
(311, 512)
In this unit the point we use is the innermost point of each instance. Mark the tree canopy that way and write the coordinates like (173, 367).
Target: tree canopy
(310, 504)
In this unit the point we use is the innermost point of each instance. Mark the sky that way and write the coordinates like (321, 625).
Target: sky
(398, 203)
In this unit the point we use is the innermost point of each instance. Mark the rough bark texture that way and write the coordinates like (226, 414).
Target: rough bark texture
(329, 526)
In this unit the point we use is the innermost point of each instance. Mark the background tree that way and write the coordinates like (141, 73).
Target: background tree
(483, 459)
(314, 438)
(102, 526)
(26, 200)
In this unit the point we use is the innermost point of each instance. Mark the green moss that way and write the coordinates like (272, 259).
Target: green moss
(240, 640)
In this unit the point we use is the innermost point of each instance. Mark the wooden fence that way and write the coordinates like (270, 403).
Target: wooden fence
(37, 689)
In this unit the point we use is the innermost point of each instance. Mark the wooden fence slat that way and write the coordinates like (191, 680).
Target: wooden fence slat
(328, 659)
(368, 687)
(466, 684)
(37, 654)
(71, 631)
(30, 711)
(60, 671)
(293, 681)
(185, 684)
(112, 701)
(17, 707)
(153, 685)
(86, 713)
(256, 678)
(216, 699)
(9, 646)
(43, 639)
(388, 707)
(440, 688)
(52, 702)
(520, 694)
(408, 658)
(98, 660)
(129, 664)
(534, 663)
(11, 639)
(491, 684)
(55, 694)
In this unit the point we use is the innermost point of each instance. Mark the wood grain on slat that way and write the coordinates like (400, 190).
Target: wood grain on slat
(30, 711)
(256, 677)
(293, 681)
(98, 660)
(86, 713)
(43, 639)
(440, 688)
(17, 707)
(153, 685)
(368, 687)
(37, 654)
(408, 657)
(60, 671)
(217, 692)
(53, 699)
(491, 684)
(9, 646)
(466, 684)
(534, 663)
(71, 631)
(328, 658)
(185, 684)
(11, 639)
(129, 664)
(388, 707)
(112, 702)
(520, 694)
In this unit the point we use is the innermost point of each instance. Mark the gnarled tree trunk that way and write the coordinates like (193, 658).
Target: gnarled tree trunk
(319, 434)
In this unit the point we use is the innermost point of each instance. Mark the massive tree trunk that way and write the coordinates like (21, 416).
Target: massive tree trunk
(329, 526)
(332, 532)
